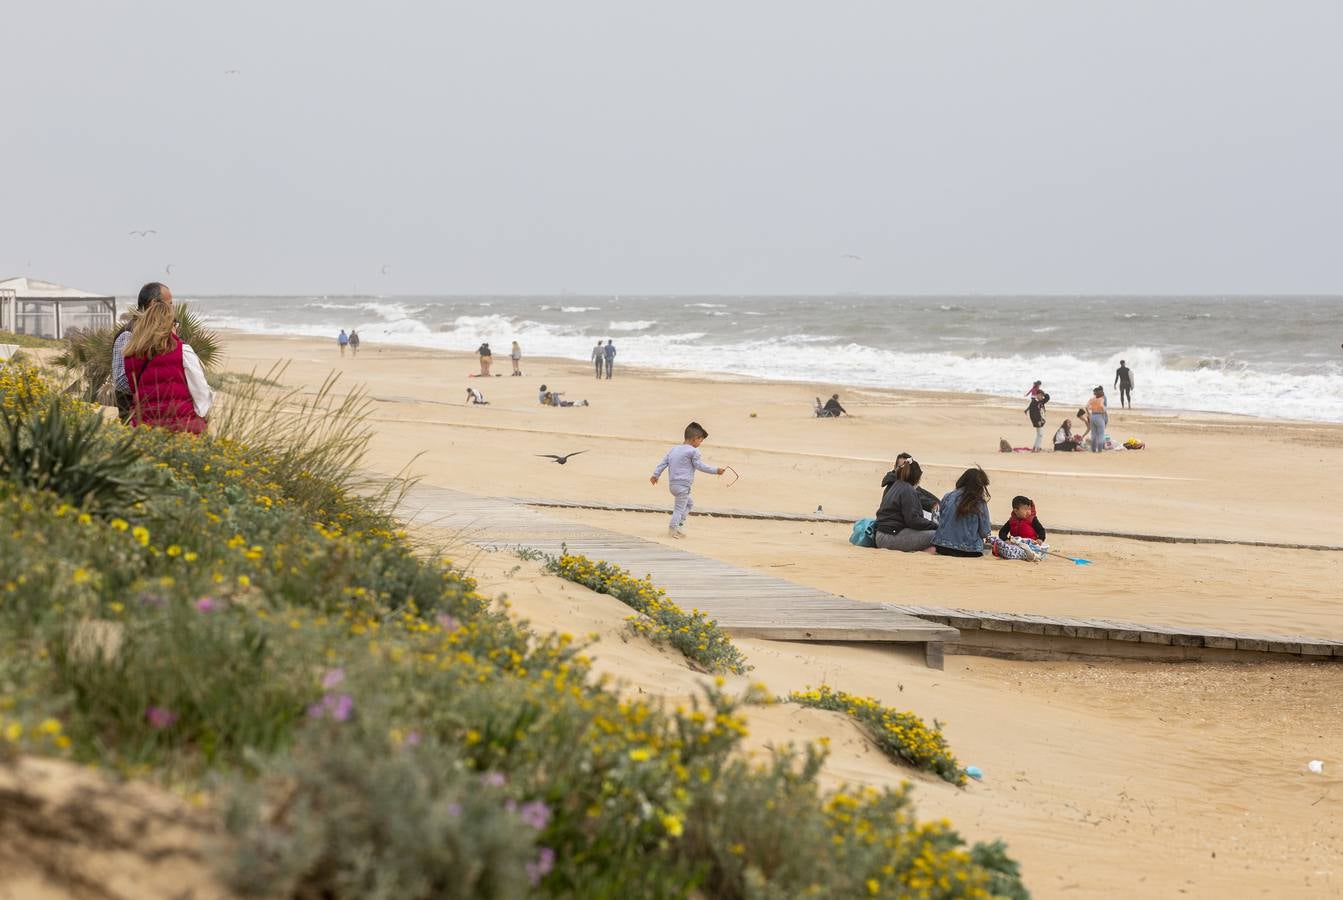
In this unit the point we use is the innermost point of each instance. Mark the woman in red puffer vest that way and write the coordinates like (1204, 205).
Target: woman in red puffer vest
(167, 379)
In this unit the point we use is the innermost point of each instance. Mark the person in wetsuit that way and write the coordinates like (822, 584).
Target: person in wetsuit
(1124, 381)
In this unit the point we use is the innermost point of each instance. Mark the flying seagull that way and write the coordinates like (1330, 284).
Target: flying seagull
(168, 270)
(231, 71)
(561, 459)
(142, 232)
(850, 256)
(385, 268)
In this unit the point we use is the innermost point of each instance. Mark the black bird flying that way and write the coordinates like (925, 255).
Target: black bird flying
(561, 459)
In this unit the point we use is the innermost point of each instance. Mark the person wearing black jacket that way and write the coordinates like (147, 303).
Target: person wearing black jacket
(1036, 410)
(901, 524)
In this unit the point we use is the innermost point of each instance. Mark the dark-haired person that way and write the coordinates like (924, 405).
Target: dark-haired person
(1036, 410)
(927, 499)
(1063, 438)
(166, 377)
(153, 292)
(1124, 381)
(680, 464)
(832, 409)
(1097, 419)
(901, 524)
(965, 516)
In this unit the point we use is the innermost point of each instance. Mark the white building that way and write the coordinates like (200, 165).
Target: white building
(46, 309)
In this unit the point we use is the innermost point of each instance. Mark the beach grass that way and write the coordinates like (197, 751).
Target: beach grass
(363, 721)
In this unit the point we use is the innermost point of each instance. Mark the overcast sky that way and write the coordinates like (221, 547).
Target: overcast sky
(1006, 146)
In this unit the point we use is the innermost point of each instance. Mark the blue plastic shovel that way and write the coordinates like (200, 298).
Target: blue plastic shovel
(1077, 560)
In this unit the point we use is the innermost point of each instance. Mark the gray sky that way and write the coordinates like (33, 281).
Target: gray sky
(1141, 146)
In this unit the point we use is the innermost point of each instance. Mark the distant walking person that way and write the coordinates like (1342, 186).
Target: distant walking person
(1124, 381)
(343, 340)
(354, 342)
(486, 358)
(598, 358)
(516, 356)
(1097, 419)
(609, 354)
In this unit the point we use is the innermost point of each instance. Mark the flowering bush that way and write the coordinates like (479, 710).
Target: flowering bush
(900, 735)
(660, 620)
(375, 727)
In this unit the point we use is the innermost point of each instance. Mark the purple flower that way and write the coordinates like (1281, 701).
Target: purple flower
(336, 706)
(207, 604)
(493, 779)
(455, 810)
(340, 706)
(545, 861)
(413, 739)
(158, 717)
(332, 678)
(535, 814)
(447, 622)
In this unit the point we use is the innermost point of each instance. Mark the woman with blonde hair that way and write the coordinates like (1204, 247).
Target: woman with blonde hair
(167, 380)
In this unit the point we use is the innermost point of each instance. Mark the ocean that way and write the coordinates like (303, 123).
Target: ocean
(1273, 357)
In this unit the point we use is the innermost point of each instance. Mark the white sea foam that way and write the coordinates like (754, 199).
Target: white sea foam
(1232, 379)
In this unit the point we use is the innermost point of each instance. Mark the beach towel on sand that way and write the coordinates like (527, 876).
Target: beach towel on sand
(864, 533)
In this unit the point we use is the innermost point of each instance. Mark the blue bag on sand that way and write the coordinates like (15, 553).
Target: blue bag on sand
(864, 533)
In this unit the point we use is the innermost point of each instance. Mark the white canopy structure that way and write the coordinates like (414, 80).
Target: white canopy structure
(47, 309)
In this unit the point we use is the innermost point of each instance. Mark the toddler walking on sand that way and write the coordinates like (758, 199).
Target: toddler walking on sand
(682, 461)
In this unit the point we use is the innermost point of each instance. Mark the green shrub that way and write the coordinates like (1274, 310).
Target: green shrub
(660, 620)
(900, 735)
(70, 453)
(348, 816)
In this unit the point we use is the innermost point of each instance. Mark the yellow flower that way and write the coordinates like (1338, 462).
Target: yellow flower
(673, 825)
(13, 731)
(190, 555)
(174, 550)
(49, 726)
(873, 887)
(640, 755)
(141, 534)
(473, 736)
(63, 742)
(244, 581)
(120, 524)
(80, 576)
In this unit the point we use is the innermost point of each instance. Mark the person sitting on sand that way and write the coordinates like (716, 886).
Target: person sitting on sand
(832, 409)
(1063, 438)
(965, 516)
(553, 398)
(901, 523)
(475, 398)
(927, 499)
(1023, 523)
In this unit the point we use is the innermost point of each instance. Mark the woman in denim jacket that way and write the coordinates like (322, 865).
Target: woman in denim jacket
(965, 516)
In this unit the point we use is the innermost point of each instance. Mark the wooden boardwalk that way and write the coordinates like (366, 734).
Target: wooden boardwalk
(744, 603)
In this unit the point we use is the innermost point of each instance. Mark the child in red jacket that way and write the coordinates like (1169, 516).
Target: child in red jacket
(1023, 524)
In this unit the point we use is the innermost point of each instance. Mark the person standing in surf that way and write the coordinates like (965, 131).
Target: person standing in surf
(1124, 381)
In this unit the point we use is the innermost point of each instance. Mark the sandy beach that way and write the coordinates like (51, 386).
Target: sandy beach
(1105, 779)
